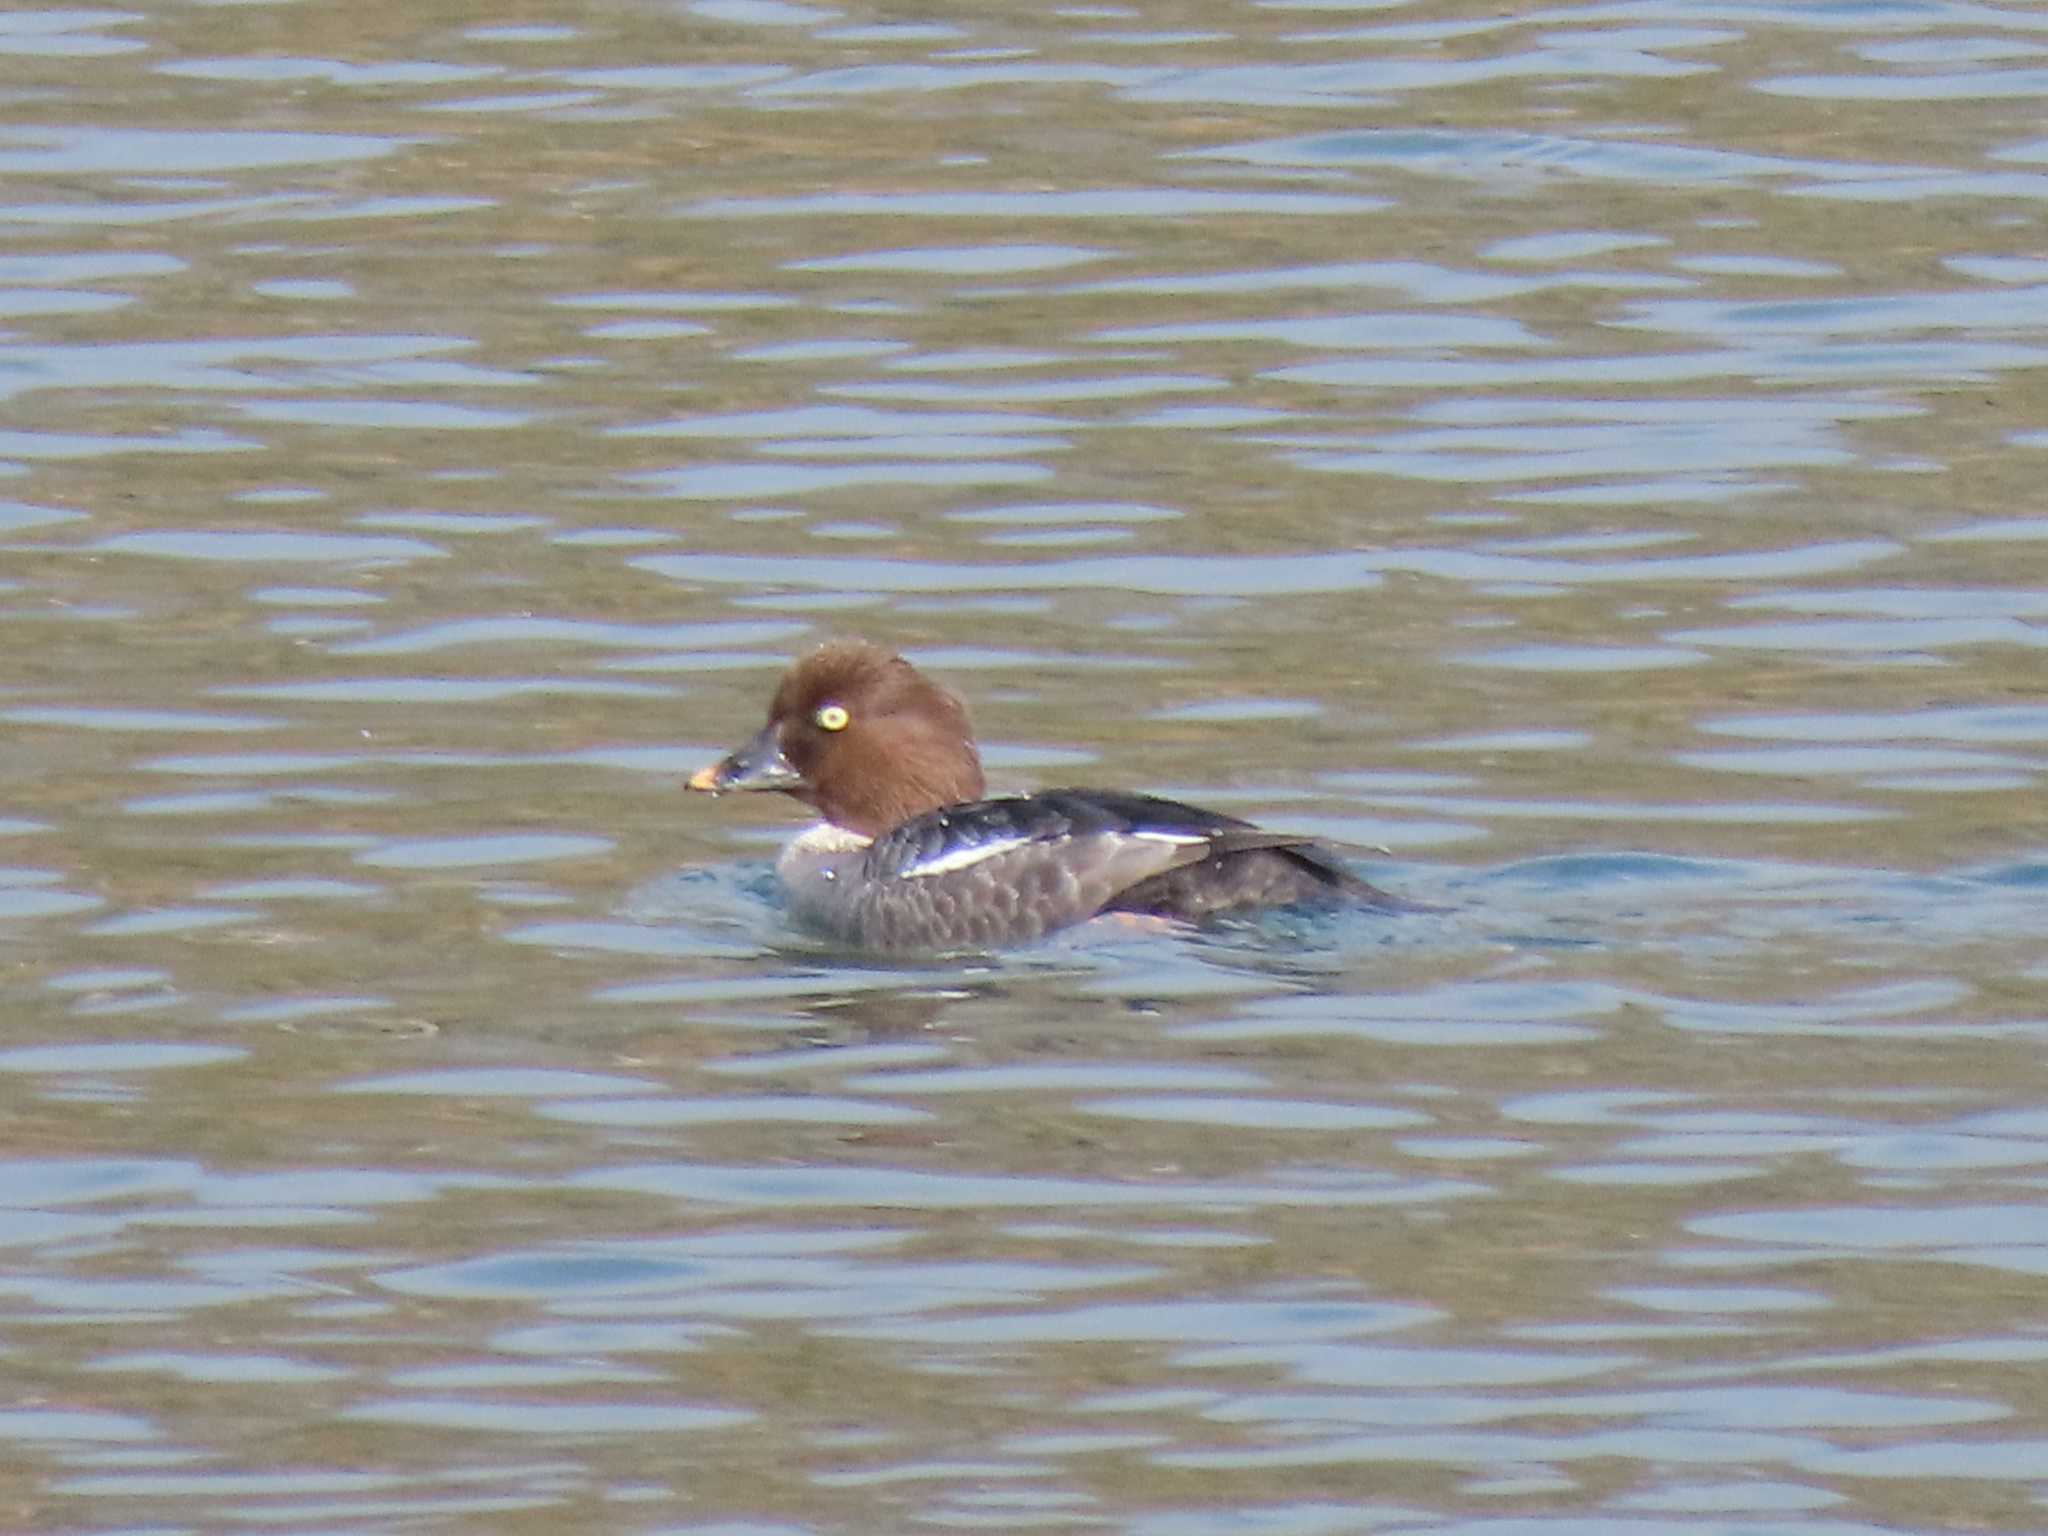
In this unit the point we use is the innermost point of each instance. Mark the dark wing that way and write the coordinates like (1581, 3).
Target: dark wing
(1246, 868)
(1005, 871)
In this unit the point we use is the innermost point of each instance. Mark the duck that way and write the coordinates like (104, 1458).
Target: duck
(911, 854)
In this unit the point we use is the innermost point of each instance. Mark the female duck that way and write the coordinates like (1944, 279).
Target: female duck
(911, 856)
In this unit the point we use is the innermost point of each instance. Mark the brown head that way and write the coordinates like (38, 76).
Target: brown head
(862, 735)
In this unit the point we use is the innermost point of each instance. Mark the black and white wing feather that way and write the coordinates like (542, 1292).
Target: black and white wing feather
(997, 872)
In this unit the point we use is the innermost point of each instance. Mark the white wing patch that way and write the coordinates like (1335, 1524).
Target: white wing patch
(955, 859)
(1171, 839)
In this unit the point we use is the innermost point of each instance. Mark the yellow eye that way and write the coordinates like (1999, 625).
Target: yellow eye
(832, 717)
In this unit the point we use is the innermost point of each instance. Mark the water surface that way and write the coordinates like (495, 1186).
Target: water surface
(1583, 458)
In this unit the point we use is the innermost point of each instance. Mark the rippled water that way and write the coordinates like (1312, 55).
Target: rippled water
(1585, 458)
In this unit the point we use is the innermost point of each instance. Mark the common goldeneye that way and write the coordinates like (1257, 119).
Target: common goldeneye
(910, 856)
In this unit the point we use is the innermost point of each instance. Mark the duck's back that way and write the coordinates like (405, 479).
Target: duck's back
(1007, 871)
